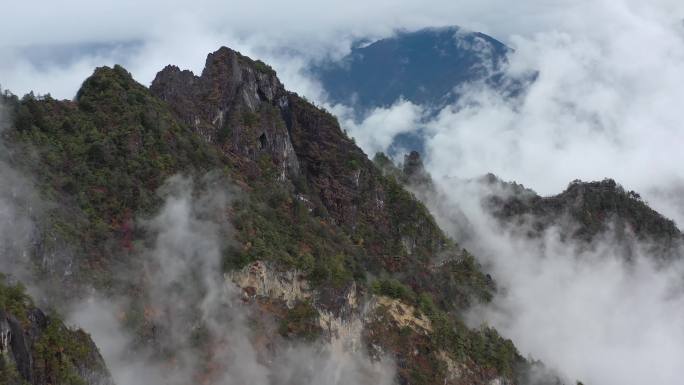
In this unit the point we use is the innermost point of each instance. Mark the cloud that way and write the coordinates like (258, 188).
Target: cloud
(378, 129)
(605, 104)
(18, 202)
(584, 311)
(283, 33)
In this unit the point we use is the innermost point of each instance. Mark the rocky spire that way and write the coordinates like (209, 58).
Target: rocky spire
(237, 103)
(414, 170)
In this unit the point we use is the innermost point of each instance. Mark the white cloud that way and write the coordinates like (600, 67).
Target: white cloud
(605, 104)
(589, 313)
(182, 33)
(377, 130)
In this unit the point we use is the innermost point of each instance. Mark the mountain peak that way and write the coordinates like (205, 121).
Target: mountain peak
(414, 170)
(106, 78)
(596, 207)
(226, 59)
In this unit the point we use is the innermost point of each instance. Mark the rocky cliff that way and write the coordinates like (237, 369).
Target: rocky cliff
(38, 349)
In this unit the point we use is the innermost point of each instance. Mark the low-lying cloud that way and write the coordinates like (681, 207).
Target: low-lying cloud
(377, 131)
(286, 35)
(18, 202)
(584, 311)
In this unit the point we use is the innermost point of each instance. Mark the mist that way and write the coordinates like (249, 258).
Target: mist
(583, 310)
(201, 321)
(18, 202)
(604, 104)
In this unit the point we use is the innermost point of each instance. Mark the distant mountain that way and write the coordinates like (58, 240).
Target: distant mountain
(426, 67)
(423, 67)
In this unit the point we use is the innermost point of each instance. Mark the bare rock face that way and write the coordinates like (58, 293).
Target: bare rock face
(37, 349)
(259, 279)
(236, 103)
(415, 173)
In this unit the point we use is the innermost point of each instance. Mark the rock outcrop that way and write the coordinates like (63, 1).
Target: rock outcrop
(236, 103)
(38, 349)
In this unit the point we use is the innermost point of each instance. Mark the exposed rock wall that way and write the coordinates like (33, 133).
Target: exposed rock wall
(236, 103)
(36, 349)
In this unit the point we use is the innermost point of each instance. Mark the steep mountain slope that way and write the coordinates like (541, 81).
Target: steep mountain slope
(98, 162)
(325, 246)
(585, 211)
(38, 349)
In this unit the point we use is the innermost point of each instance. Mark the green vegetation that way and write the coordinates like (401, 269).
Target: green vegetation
(386, 166)
(483, 346)
(450, 335)
(275, 226)
(595, 208)
(13, 299)
(103, 157)
(59, 353)
(301, 322)
(263, 67)
(460, 283)
(411, 220)
(9, 374)
(603, 200)
(392, 288)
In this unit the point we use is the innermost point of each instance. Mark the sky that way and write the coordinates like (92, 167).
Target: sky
(145, 36)
(607, 103)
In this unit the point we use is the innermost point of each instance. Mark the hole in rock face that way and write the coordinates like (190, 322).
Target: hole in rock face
(263, 142)
(5, 338)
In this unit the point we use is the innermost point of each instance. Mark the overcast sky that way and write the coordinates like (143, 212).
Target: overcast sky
(51, 46)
